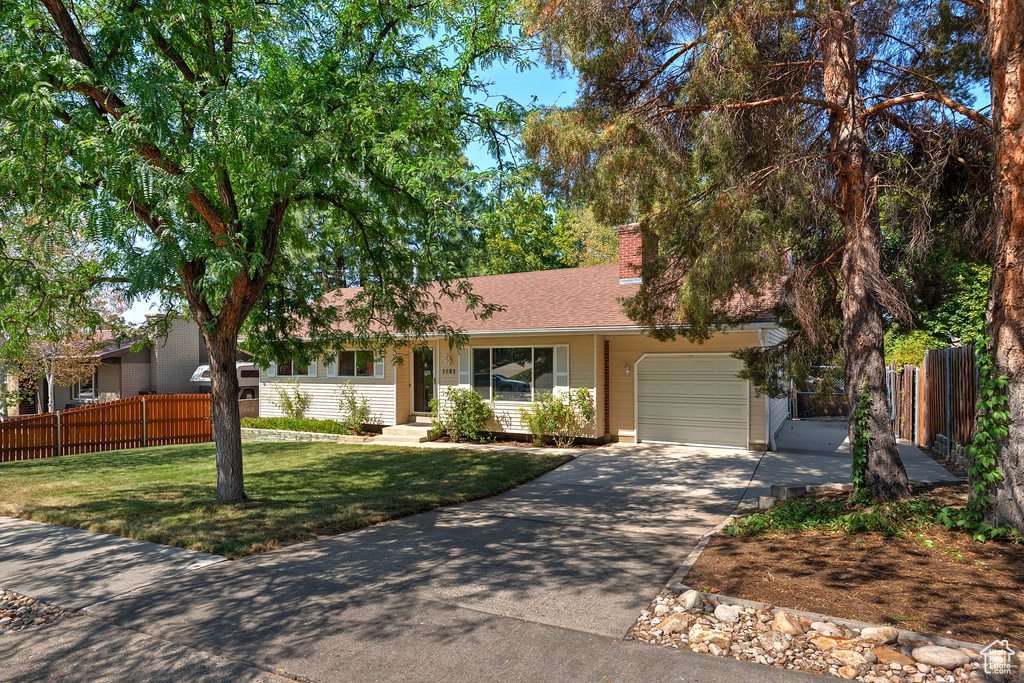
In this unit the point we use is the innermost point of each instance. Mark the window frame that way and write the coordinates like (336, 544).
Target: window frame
(274, 370)
(533, 378)
(76, 388)
(378, 364)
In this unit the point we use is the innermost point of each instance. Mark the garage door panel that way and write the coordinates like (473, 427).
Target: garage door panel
(692, 391)
(686, 412)
(692, 399)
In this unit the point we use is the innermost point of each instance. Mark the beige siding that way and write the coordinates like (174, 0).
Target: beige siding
(403, 386)
(581, 371)
(323, 393)
(625, 350)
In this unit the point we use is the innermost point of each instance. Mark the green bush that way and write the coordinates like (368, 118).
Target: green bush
(562, 417)
(292, 424)
(292, 401)
(462, 415)
(355, 409)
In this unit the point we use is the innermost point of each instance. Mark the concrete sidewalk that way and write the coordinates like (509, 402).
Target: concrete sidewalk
(74, 568)
(538, 584)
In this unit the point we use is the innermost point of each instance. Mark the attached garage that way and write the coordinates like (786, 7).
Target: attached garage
(693, 399)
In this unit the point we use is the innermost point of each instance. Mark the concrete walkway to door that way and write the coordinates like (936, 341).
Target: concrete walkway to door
(538, 584)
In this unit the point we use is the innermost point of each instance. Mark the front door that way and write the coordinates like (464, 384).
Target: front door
(422, 380)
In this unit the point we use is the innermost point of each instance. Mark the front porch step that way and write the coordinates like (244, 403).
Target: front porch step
(411, 432)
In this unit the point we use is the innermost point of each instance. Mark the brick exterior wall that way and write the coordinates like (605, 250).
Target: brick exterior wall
(135, 378)
(634, 251)
(176, 357)
(108, 380)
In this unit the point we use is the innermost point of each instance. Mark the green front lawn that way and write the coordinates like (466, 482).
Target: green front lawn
(298, 490)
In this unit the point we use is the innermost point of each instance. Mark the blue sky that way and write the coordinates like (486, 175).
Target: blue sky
(522, 87)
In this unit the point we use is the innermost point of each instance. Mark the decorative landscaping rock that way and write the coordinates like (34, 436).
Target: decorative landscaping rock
(879, 634)
(887, 657)
(18, 612)
(826, 628)
(787, 624)
(757, 635)
(677, 623)
(847, 672)
(774, 640)
(848, 657)
(691, 601)
(730, 614)
(702, 634)
(826, 643)
(945, 657)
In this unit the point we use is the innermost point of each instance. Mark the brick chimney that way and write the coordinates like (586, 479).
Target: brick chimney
(635, 251)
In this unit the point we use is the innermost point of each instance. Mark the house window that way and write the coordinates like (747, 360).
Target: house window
(86, 389)
(513, 373)
(292, 368)
(359, 364)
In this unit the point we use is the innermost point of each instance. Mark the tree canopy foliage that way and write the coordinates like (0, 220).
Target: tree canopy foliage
(759, 141)
(218, 151)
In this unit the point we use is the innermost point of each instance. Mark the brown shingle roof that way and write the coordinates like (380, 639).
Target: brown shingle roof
(568, 298)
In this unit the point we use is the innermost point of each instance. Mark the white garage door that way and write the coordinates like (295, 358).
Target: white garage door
(691, 400)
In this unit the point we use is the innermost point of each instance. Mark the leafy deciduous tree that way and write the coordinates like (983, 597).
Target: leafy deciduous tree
(198, 137)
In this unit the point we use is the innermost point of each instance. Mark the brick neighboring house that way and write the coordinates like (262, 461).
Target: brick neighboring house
(165, 367)
(562, 330)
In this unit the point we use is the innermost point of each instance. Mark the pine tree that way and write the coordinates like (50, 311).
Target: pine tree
(743, 134)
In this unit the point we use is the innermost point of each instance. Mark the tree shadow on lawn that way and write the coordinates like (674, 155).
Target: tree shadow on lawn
(293, 498)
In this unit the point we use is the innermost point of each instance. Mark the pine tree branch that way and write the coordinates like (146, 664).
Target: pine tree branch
(933, 96)
(740, 106)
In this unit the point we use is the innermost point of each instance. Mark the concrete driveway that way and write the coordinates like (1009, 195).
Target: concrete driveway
(538, 584)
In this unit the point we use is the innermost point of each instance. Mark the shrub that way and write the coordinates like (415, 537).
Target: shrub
(292, 424)
(294, 402)
(463, 415)
(562, 417)
(355, 409)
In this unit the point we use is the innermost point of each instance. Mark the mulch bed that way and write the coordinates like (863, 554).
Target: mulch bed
(958, 588)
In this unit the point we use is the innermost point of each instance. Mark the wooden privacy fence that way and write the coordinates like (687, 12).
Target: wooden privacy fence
(935, 401)
(139, 421)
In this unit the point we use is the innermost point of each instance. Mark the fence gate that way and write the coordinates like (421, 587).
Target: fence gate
(822, 395)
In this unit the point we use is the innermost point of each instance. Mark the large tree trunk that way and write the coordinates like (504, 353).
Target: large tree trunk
(1006, 296)
(863, 333)
(227, 432)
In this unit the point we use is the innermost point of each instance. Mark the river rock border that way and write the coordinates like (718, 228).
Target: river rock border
(18, 612)
(760, 633)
